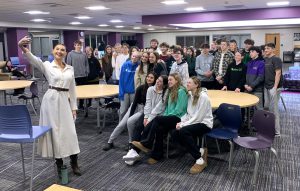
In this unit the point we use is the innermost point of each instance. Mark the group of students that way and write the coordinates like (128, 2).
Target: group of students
(158, 94)
(186, 110)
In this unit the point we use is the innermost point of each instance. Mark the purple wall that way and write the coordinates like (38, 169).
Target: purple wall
(140, 40)
(13, 37)
(69, 38)
(232, 15)
(113, 38)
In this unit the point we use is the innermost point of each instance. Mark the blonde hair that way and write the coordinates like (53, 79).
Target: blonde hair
(197, 92)
(173, 91)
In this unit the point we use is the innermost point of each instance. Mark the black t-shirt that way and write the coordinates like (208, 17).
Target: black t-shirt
(271, 65)
(235, 76)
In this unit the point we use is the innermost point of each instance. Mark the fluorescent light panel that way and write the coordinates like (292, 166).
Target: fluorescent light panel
(119, 26)
(37, 12)
(75, 23)
(174, 2)
(278, 3)
(265, 22)
(39, 20)
(95, 8)
(103, 25)
(83, 17)
(194, 9)
(115, 21)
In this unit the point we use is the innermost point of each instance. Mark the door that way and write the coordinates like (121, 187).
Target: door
(274, 38)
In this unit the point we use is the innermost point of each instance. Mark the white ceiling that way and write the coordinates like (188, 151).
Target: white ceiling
(129, 11)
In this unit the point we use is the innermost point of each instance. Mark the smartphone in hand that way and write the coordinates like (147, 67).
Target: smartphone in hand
(30, 36)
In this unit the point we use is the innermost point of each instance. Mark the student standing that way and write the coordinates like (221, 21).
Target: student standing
(235, 77)
(273, 83)
(180, 66)
(79, 61)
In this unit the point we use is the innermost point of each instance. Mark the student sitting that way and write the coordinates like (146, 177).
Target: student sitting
(235, 76)
(176, 108)
(134, 113)
(196, 122)
(156, 96)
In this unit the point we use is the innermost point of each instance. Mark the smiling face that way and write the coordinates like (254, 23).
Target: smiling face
(224, 46)
(171, 81)
(159, 82)
(191, 85)
(268, 51)
(253, 54)
(108, 50)
(152, 58)
(135, 57)
(177, 56)
(145, 57)
(150, 79)
(59, 52)
(77, 47)
(238, 57)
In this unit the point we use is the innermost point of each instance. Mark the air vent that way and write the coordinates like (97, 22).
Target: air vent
(53, 4)
(234, 6)
(114, 14)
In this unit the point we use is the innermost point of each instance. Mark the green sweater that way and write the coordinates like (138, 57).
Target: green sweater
(177, 108)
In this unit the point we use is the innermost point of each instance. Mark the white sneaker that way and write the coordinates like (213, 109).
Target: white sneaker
(129, 162)
(200, 161)
(131, 155)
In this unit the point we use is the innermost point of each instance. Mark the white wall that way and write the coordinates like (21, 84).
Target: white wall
(286, 36)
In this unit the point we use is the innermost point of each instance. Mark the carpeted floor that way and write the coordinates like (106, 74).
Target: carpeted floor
(106, 171)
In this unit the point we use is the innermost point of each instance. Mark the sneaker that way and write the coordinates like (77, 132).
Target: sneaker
(108, 146)
(198, 166)
(277, 134)
(129, 162)
(131, 155)
(140, 146)
(152, 161)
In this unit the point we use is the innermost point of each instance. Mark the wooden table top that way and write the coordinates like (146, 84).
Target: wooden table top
(96, 91)
(14, 84)
(242, 99)
(56, 187)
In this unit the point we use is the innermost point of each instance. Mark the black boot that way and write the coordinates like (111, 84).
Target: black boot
(59, 163)
(74, 165)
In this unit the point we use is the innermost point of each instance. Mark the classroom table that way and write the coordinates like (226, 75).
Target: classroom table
(12, 84)
(96, 91)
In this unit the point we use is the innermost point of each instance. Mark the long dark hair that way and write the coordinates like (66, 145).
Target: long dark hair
(146, 85)
(141, 66)
(165, 86)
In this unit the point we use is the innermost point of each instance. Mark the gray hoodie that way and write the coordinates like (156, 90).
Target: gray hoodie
(154, 106)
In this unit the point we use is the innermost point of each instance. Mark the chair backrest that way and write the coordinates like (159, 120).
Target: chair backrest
(264, 123)
(34, 89)
(113, 82)
(15, 119)
(15, 61)
(230, 116)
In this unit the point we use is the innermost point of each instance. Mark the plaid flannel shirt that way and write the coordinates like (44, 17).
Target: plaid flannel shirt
(227, 59)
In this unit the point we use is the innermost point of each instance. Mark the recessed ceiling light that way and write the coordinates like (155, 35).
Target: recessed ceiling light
(246, 23)
(278, 3)
(194, 9)
(83, 17)
(39, 20)
(151, 29)
(37, 12)
(119, 26)
(174, 2)
(95, 8)
(176, 28)
(115, 21)
(137, 28)
(75, 23)
(103, 25)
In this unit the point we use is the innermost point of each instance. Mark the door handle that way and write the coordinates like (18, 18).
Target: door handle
(275, 39)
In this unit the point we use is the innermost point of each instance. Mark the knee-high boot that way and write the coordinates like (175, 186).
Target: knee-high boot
(74, 165)
(59, 163)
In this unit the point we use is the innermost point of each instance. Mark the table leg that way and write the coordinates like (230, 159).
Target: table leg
(248, 116)
(86, 112)
(98, 117)
(4, 97)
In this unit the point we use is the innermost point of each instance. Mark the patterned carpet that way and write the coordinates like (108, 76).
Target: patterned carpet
(106, 171)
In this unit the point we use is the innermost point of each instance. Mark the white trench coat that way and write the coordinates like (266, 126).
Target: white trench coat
(56, 110)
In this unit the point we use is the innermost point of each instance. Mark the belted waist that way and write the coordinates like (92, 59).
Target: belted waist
(58, 88)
